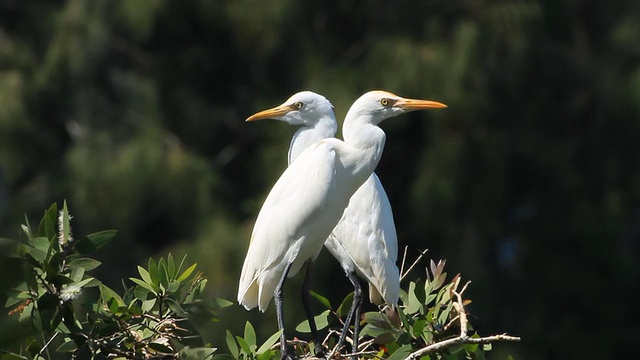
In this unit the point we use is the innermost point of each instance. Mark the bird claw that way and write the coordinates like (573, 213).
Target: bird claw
(319, 352)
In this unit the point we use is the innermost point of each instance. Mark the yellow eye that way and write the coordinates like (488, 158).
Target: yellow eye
(298, 105)
(384, 102)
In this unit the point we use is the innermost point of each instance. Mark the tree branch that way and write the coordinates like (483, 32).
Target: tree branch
(463, 338)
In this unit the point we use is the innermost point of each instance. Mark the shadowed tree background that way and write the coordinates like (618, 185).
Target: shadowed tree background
(528, 184)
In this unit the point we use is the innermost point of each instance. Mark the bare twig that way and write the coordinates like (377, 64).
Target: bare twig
(365, 344)
(46, 346)
(358, 353)
(404, 259)
(335, 348)
(463, 338)
(450, 323)
(412, 265)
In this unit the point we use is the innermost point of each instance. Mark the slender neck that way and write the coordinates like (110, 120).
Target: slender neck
(326, 127)
(365, 139)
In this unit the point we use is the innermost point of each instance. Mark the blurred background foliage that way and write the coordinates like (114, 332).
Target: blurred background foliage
(528, 184)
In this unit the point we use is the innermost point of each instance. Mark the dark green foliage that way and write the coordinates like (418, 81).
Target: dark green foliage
(147, 321)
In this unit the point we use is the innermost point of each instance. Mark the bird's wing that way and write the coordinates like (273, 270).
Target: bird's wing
(286, 217)
(367, 234)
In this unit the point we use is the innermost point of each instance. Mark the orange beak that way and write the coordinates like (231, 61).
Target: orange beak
(270, 113)
(413, 104)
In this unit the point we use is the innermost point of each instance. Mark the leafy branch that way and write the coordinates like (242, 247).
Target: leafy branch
(144, 323)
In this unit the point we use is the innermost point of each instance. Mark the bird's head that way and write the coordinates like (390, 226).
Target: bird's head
(303, 108)
(379, 105)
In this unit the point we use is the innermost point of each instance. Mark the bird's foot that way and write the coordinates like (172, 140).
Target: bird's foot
(319, 352)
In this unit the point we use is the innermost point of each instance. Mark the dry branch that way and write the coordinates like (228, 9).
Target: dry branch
(463, 338)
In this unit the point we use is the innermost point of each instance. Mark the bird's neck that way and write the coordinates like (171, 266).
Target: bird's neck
(308, 135)
(367, 141)
(360, 131)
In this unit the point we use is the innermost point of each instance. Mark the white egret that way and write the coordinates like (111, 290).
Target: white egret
(309, 198)
(365, 240)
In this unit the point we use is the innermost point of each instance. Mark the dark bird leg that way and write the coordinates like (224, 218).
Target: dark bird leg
(304, 293)
(353, 312)
(280, 315)
(357, 299)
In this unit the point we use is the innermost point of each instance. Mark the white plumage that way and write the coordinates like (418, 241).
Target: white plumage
(310, 197)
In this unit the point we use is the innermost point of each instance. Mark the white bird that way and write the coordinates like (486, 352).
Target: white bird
(365, 240)
(308, 200)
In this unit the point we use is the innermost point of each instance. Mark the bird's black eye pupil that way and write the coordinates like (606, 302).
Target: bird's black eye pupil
(384, 102)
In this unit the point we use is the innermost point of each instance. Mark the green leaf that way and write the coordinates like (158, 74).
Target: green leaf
(27, 314)
(439, 280)
(269, 343)
(11, 356)
(378, 320)
(94, 241)
(143, 284)
(173, 286)
(141, 292)
(145, 275)
(38, 248)
(164, 272)
(322, 321)
(147, 305)
(30, 277)
(232, 345)
(401, 353)
(135, 310)
(86, 263)
(84, 282)
(171, 267)
(244, 345)
(269, 354)
(15, 296)
(418, 327)
(113, 306)
(381, 335)
(444, 315)
(224, 357)
(51, 267)
(249, 334)
(175, 307)
(188, 353)
(68, 346)
(160, 348)
(323, 300)
(412, 305)
(185, 275)
(220, 303)
(181, 263)
(106, 294)
(77, 273)
(93, 283)
(59, 280)
(344, 308)
(49, 310)
(47, 227)
(154, 273)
